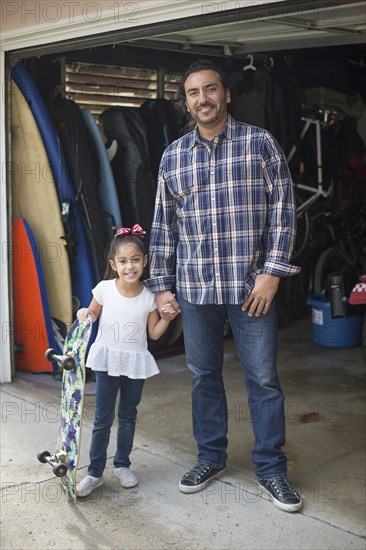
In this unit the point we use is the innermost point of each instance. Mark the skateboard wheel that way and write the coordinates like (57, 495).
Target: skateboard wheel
(68, 364)
(43, 455)
(60, 470)
(49, 354)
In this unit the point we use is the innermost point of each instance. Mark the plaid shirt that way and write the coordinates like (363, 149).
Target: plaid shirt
(222, 215)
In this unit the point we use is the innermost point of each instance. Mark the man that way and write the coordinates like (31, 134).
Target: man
(223, 233)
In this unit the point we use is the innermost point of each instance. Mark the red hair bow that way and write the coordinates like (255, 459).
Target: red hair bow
(134, 230)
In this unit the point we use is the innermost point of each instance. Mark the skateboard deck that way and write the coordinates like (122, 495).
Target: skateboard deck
(65, 459)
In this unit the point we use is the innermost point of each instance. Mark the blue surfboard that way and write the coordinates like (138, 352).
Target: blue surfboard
(107, 187)
(83, 279)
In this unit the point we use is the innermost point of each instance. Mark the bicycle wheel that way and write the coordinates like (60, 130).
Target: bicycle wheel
(331, 260)
(303, 230)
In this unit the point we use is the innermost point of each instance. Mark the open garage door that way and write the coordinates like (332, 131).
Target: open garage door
(227, 31)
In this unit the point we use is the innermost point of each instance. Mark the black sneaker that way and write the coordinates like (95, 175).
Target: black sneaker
(283, 494)
(198, 477)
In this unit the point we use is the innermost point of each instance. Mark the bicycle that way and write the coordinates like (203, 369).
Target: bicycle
(318, 235)
(320, 119)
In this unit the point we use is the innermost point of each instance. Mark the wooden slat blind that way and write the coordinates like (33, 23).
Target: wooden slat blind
(97, 87)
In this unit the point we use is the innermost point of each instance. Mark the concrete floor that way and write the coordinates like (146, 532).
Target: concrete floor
(325, 410)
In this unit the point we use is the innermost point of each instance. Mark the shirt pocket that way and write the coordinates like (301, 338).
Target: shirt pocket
(180, 186)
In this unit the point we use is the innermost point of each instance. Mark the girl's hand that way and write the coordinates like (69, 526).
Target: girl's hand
(93, 310)
(82, 313)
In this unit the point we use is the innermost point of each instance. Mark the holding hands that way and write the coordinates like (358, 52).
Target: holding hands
(167, 304)
(168, 310)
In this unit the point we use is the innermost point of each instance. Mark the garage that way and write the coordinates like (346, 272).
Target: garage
(292, 44)
(275, 75)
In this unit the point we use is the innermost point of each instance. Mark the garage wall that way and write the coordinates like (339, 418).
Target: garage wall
(24, 14)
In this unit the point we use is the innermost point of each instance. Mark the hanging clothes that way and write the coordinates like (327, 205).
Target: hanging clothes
(136, 189)
(251, 97)
(162, 128)
(81, 159)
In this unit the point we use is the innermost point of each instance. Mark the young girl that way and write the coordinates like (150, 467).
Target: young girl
(119, 354)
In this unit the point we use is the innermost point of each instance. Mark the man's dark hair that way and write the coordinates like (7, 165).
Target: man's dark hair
(203, 65)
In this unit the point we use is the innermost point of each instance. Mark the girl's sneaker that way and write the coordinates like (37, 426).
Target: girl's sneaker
(87, 485)
(126, 477)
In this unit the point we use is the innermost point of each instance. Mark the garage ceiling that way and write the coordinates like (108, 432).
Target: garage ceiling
(248, 28)
(270, 27)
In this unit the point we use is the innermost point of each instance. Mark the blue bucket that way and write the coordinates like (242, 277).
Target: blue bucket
(343, 332)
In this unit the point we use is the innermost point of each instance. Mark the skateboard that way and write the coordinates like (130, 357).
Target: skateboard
(64, 460)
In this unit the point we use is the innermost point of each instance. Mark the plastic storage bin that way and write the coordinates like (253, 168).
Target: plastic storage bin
(343, 332)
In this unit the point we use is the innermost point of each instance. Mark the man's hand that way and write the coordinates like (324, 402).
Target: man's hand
(164, 298)
(169, 309)
(261, 297)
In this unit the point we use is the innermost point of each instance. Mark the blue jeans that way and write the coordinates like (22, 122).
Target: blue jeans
(256, 343)
(107, 388)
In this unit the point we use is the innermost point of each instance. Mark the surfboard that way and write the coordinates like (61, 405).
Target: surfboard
(34, 198)
(82, 276)
(33, 329)
(107, 187)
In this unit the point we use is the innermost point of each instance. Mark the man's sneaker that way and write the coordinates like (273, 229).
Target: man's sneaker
(87, 485)
(283, 494)
(198, 477)
(126, 477)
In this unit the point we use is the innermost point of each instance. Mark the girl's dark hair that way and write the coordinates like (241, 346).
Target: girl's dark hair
(203, 65)
(113, 249)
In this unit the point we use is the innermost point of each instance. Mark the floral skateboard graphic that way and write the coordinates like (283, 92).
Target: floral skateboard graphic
(65, 459)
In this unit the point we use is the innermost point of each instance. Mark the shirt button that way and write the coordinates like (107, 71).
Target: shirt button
(213, 198)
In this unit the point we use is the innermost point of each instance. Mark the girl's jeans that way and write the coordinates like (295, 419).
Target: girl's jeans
(106, 394)
(256, 343)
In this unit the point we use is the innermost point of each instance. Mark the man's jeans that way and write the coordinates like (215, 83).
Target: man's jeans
(107, 388)
(256, 342)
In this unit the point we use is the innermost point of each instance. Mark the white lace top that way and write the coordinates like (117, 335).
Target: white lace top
(120, 347)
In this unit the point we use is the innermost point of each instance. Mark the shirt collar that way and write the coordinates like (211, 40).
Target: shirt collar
(228, 131)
